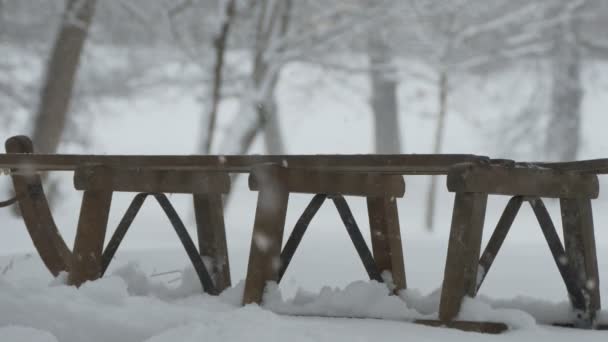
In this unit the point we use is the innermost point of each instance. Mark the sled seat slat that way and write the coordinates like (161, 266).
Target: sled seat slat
(309, 181)
(520, 181)
(148, 180)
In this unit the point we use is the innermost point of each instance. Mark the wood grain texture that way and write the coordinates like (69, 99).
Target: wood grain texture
(461, 266)
(395, 164)
(36, 213)
(523, 181)
(267, 237)
(580, 247)
(343, 183)
(386, 238)
(86, 262)
(209, 215)
(164, 181)
(479, 327)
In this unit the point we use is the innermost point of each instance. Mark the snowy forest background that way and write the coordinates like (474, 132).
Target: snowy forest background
(536, 63)
(519, 79)
(506, 78)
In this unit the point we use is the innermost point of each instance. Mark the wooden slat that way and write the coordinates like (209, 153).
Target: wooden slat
(470, 326)
(36, 212)
(344, 183)
(397, 164)
(597, 166)
(209, 214)
(267, 236)
(521, 181)
(90, 235)
(579, 243)
(460, 275)
(386, 238)
(407, 164)
(600, 326)
(165, 181)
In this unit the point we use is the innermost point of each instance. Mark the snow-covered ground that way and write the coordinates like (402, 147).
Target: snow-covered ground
(132, 304)
(321, 115)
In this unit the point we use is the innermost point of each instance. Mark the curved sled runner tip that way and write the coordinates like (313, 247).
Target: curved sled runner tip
(36, 213)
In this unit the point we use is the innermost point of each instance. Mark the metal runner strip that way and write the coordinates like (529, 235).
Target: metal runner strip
(355, 235)
(351, 227)
(576, 292)
(298, 232)
(498, 237)
(178, 226)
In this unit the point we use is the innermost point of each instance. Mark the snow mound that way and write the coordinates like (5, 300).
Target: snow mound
(128, 305)
(15, 333)
(358, 300)
(477, 310)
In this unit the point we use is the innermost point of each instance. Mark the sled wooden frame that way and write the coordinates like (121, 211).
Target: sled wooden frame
(465, 270)
(99, 182)
(274, 183)
(25, 167)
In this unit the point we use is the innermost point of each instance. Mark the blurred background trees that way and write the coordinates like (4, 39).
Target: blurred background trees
(60, 62)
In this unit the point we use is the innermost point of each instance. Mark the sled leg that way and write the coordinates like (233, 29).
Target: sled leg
(87, 261)
(579, 243)
(460, 276)
(386, 238)
(209, 214)
(267, 237)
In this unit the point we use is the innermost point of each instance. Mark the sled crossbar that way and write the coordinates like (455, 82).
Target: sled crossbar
(405, 164)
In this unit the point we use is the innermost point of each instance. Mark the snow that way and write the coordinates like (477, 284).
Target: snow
(359, 299)
(131, 305)
(14, 333)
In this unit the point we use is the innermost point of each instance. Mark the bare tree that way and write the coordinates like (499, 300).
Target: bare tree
(563, 130)
(457, 38)
(258, 104)
(554, 37)
(53, 108)
(384, 104)
(442, 100)
(220, 45)
(564, 126)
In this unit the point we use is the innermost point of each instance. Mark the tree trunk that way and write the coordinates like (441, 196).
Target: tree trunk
(387, 133)
(219, 44)
(52, 113)
(440, 128)
(269, 118)
(564, 126)
(267, 110)
(272, 24)
(259, 108)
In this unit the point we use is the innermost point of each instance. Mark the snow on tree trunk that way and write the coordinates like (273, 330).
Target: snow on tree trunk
(563, 130)
(383, 100)
(51, 116)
